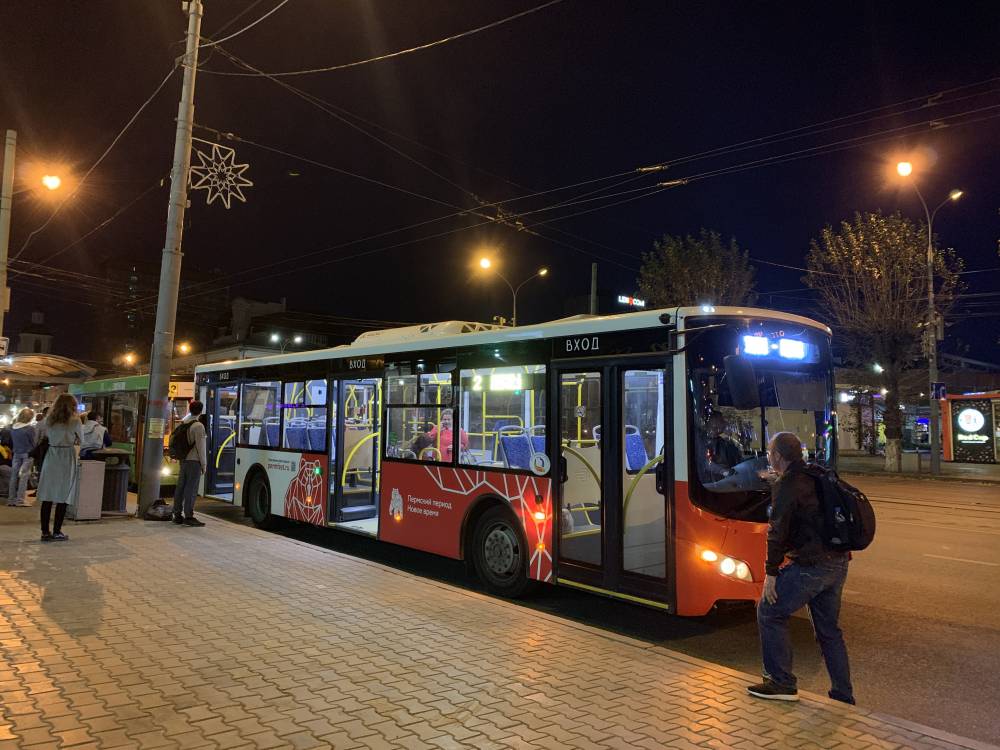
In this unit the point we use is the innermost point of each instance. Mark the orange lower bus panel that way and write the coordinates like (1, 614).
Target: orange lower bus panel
(700, 584)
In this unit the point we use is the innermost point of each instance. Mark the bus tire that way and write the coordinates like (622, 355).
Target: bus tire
(259, 501)
(500, 553)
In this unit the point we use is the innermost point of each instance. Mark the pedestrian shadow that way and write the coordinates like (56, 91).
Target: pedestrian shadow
(69, 593)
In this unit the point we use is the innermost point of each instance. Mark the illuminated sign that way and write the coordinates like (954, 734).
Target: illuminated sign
(631, 301)
(972, 432)
(505, 381)
(971, 420)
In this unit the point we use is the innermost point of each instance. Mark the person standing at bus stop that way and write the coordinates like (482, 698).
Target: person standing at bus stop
(58, 478)
(800, 571)
(192, 466)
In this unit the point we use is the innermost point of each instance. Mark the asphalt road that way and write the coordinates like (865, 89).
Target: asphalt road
(921, 607)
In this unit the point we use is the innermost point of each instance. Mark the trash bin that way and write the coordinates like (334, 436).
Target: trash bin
(116, 478)
(88, 499)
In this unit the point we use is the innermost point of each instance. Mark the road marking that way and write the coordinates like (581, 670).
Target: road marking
(963, 559)
(961, 529)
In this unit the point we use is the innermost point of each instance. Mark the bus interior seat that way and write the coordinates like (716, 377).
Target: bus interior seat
(635, 449)
(317, 436)
(271, 431)
(295, 435)
(516, 449)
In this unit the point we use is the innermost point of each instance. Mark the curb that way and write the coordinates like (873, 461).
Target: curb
(922, 477)
(661, 651)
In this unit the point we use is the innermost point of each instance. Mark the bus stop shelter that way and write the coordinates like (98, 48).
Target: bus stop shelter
(43, 368)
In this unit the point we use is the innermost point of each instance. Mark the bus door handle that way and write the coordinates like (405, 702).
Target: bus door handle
(659, 478)
(563, 470)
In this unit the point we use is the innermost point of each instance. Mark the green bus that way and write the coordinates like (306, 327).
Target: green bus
(122, 404)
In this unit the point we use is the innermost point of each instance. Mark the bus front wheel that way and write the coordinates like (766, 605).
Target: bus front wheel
(500, 553)
(259, 501)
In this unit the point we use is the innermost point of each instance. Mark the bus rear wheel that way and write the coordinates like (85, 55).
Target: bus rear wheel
(500, 553)
(259, 501)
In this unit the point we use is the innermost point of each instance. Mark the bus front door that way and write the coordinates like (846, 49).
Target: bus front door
(222, 407)
(613, 444)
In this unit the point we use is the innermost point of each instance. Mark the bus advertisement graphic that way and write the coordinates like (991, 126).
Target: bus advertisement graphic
(429, 514)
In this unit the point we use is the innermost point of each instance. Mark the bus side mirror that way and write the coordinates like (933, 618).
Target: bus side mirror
(742, 382)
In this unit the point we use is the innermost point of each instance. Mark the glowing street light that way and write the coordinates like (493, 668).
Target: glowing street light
(52, 181)
(184, 347)
(905, 169)
(487, 264)
(129, 358)
(277, 338)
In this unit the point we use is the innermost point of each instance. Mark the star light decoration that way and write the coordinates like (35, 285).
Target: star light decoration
(219, 174)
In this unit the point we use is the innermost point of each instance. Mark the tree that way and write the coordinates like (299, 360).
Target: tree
(694, 271)
(871, 276)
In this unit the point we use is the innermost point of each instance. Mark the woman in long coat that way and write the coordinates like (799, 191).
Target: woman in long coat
(58, 478)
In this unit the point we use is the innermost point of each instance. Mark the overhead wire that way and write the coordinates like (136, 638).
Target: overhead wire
(244, 29)
(101, 225)
(94, 166)
(804, 153)
(389, 55)
(932, 99)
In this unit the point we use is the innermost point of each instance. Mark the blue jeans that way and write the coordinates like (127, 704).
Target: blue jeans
(186, 490)
(20, 471)
(820, 587)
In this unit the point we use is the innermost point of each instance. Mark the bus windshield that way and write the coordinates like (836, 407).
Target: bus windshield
(749, 380)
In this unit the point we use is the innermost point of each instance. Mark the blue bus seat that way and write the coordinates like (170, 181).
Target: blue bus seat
(516, 450)
(635, 451)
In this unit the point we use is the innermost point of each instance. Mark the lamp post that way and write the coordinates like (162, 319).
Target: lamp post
(283, 341)
(905, 169)
(50, 181)
(487, 265)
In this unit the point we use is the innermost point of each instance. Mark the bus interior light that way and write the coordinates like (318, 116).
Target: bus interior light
(756, 345)
(792, 349)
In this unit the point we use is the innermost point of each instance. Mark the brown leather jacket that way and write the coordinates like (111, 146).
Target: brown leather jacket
(795, 530)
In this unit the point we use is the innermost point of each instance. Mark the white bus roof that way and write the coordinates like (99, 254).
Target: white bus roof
(453, 333)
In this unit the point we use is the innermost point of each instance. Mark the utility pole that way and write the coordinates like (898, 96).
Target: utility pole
(593, 289)
(170, 273)
(6, 199)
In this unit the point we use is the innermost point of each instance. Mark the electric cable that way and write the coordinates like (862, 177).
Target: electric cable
(94, 166)
(245, 28)
(389, 55)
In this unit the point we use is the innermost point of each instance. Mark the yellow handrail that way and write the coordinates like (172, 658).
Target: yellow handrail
(635, 481)
(354, 450)
(218, 456)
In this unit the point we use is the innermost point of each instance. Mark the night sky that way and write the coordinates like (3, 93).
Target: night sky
(577, 91)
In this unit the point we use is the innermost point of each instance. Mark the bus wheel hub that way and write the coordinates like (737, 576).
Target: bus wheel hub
(500, 551)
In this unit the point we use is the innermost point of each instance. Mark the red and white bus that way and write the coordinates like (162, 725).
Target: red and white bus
(621, 454)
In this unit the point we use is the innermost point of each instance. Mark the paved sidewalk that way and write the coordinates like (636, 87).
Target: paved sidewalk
(144, 634)
(950, 471)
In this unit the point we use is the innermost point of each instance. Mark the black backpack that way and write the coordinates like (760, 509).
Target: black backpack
(180, 443)
(848, 517)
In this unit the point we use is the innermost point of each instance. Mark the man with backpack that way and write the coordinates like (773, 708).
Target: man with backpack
(804, 568)
(187, 445)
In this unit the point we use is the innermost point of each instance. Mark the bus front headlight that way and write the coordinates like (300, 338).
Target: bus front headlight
(727, 566)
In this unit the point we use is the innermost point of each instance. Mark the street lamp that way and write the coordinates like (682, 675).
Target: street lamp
(277, 338)
(487, 264)
(184, 347)
(905, 169)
